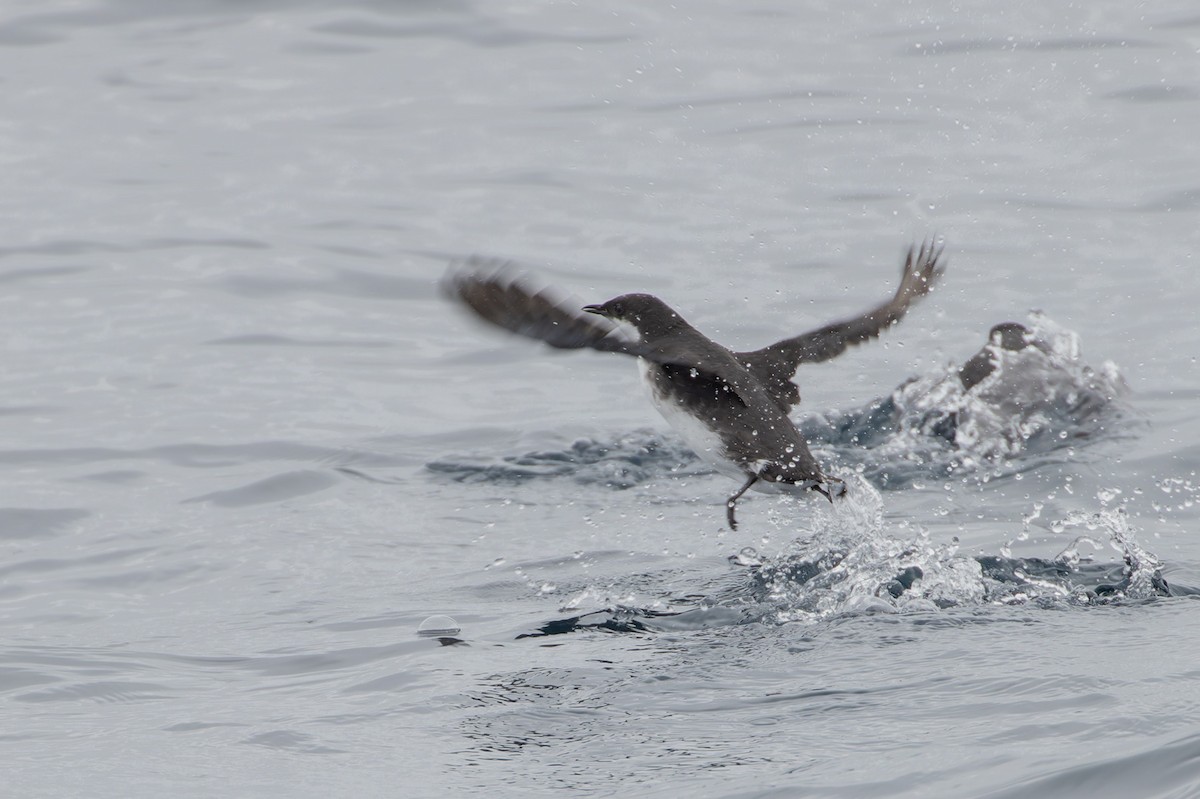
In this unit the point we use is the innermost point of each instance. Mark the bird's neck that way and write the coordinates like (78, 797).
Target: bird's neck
(657, 329)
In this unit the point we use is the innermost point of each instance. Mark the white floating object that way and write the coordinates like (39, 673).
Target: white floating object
(437, 626)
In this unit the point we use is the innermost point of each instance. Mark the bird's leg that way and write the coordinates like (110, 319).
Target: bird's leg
(830, 490)
(729, 502)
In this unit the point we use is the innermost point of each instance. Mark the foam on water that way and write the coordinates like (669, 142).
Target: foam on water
(849, 559)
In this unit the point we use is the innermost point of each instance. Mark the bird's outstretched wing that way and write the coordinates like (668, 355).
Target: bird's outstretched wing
(494, 291)
(776, 364)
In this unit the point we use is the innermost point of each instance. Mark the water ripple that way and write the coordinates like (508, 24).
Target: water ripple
(102, 691)
(37, 522)
(277, 488)
(622, 463)
(1163, 769)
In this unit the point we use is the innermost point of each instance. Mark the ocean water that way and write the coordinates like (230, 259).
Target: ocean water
(280, 520)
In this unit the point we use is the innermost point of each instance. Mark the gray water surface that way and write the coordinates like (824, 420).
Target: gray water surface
(248, 447)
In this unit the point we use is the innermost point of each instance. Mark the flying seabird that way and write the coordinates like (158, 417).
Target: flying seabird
(730, 407)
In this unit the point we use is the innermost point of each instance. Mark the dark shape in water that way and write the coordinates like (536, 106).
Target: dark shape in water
(622, 463)
(1098, 581)
(1087, 584)
(617, 621)
(1011, 336)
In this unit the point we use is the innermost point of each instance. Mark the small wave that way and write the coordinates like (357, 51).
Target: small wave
(621, 463)
(851, 563)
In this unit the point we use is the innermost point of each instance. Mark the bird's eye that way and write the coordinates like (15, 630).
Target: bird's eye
(618, 310)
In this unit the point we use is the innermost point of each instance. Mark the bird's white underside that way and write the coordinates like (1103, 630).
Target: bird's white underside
(703, 441)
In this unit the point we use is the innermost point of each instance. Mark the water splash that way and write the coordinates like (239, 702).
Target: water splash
(851, 560)
(1037, 400)
(848, 561)
(855, 562)
(1178, 494)
(1143, 570)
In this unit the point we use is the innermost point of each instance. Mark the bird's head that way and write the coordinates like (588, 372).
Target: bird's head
(650, 315)
(1010, 336)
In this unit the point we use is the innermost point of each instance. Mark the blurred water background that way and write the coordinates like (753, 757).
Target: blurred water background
(248, 448)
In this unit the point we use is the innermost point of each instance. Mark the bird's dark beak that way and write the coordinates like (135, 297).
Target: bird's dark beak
(596, 309)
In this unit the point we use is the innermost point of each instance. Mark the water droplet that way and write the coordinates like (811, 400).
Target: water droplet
(748, 556)
(438, 626)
